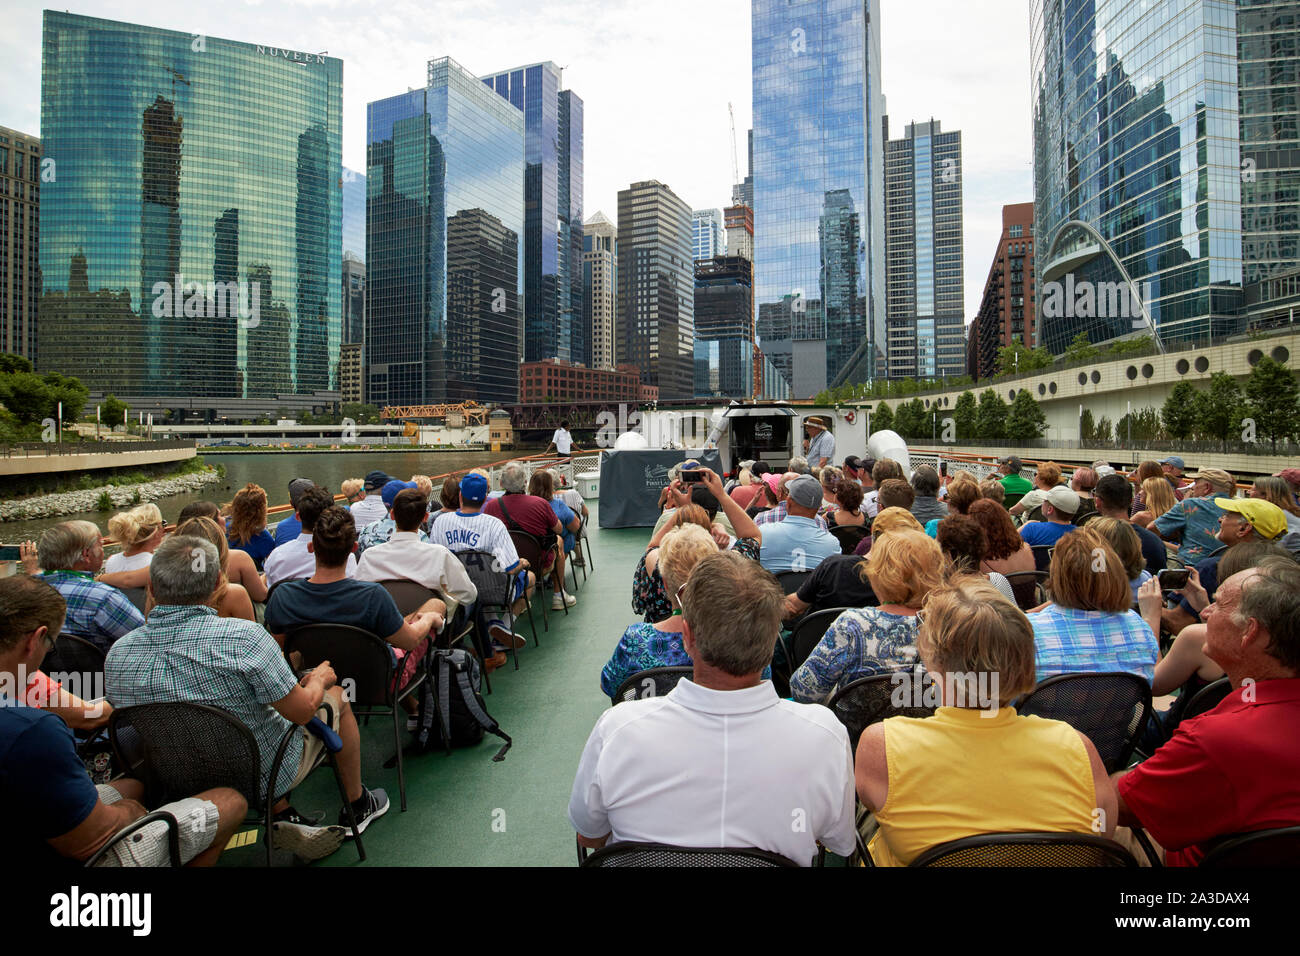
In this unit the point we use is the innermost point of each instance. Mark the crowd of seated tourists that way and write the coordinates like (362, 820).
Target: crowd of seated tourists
(1167, 579)
(200, 613)
(1020, 581)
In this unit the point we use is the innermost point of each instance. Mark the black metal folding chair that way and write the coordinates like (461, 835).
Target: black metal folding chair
(1029, 588)
(869, 700)
(496, 590)
(410, 596)
(1206, 699)
(530, 549)
(1278, 847)
(178, 749)
(1028, 849)
(367, 661)
(1110, 709)
(807, 634)
(850, 536)
(1042, 556)
(660, 854)
(653, 682)
(73, 655)
(791, 581)
(124, 834)
(137, 596)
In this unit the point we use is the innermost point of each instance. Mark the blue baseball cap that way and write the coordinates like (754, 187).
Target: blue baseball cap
(474, 488)
(390, 490)
(1175, 461)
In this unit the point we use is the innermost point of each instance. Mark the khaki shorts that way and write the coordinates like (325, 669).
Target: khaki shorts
(197, 821)
(312, 746)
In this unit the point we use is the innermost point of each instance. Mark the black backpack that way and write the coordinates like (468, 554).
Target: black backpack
(451, 698)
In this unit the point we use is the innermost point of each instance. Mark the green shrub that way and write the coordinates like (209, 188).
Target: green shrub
(104, 502)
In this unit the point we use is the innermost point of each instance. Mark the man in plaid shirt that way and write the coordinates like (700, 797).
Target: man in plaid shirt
(71, 554)
(779, 512)
(185, 652)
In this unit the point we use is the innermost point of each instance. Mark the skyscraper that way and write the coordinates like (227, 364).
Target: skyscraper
(1137, 181)
(209, 263)
(552, 237)
(724, 327)
(708, 239)
(656, 288)
(923, 242)
(20, 191)
(740, 231)
(354, 214)
(444, 216)
(600, 289)
(1268, 76)
(819, 199)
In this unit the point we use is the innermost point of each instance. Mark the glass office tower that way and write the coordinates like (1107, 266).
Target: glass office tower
(924, 248)
(444, 262)
(553, 148)
(724, 327)
(190, 228)
(1137, 177)
(819, 190)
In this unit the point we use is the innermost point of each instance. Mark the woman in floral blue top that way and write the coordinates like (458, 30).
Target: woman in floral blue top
(649, 596)
(645, 645)
(903, 567)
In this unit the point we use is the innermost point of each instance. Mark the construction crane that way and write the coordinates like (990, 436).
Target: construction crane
(735, 167)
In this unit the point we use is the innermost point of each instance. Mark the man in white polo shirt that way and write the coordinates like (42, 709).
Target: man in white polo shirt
(561, 441)
(404, 557)
(721, 760)
(294, 560)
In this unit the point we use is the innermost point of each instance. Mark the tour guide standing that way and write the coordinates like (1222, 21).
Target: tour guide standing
(561, 441)
(820, 443)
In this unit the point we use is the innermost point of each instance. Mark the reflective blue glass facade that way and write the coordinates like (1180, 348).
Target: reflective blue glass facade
(818, 167)
(553, 147)
(924, 245)
(191, 228)
(444, 215)
(354, 214)
(724, 327)
(1135, 117)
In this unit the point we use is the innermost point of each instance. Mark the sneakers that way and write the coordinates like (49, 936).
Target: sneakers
(503, 638)
(561, 600)
(293, 832)
(372, 805)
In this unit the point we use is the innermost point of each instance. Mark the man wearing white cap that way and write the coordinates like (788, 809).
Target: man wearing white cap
(821, 443)
(1059, 509)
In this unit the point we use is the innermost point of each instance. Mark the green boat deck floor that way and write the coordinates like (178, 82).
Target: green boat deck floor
(466, 809)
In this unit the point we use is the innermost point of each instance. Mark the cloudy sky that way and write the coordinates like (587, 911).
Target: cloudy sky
(656, 78)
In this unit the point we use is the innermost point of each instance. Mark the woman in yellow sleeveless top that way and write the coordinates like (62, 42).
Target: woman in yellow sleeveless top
(976, 766)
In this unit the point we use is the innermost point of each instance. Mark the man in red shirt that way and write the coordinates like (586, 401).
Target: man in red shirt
(1236, 768)
(520, 511)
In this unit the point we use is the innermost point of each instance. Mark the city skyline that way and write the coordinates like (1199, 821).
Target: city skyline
(981, 89)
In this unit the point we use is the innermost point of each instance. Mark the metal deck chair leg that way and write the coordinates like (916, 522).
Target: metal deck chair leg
(347, 807)
(397, 738)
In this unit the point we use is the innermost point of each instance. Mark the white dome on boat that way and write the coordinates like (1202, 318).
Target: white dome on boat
(631, 441)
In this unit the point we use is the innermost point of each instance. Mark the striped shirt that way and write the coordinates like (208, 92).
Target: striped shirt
(96, 612)
(187, 653)
(1070, 641)
(779, 512)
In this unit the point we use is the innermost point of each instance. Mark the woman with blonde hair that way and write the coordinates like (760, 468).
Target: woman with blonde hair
(902, 568)
(354, 490)
(1157, 498)
(1276, 491)
(1089, 626)
(1144, 470)
(977, 766)
(230, 599)
(645, 645)
(139, 532)
(1128, 547)
(246, 530)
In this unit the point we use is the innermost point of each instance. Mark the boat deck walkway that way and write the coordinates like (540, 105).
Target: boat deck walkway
(465, 809)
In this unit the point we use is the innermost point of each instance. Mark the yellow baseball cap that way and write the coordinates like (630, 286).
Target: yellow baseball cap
(1264, 516)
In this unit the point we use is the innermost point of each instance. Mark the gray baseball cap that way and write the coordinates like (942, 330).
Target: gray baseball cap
(805, 491)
